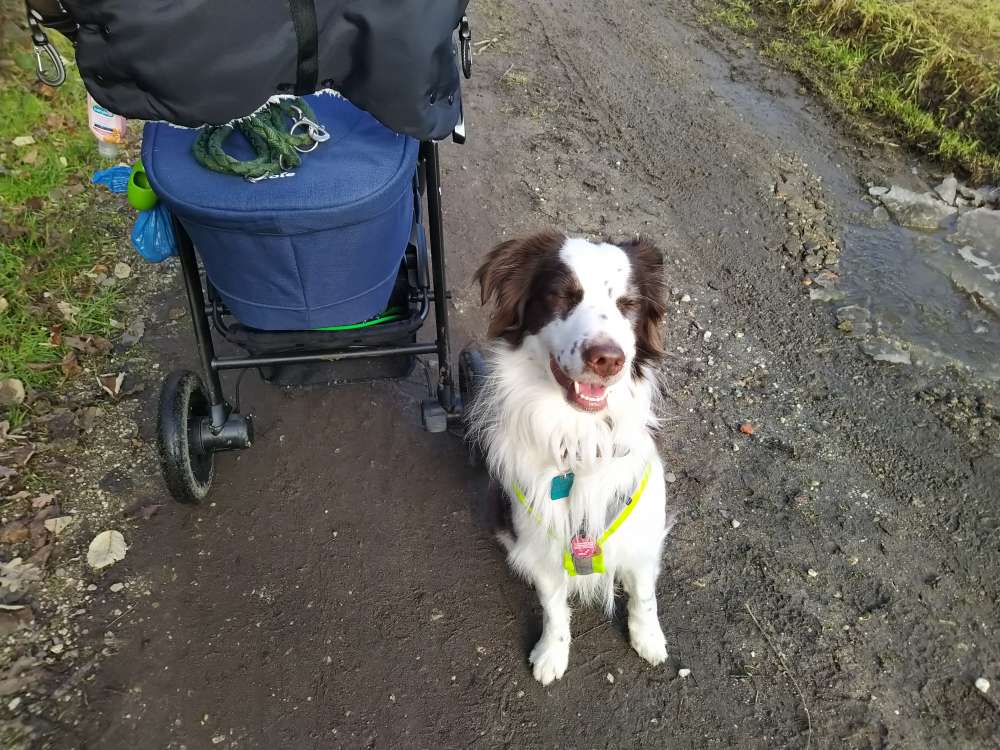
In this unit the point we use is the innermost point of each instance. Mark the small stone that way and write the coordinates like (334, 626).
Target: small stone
(948, 190)
(883, 351)
(11, 392)
(880, 214)
(982, 685)
(14, 704)
(746, 428)
(122, 270)
(610, 678)
(686, 298)
(877, 190)
(735, 524)
(116, 587)
(4, 305)
(670, 477)
(682, 673)
(812, 573)
(917, 210)
(218, 739)
(707, 335)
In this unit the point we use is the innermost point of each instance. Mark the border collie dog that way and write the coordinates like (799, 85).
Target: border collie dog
(565, 420)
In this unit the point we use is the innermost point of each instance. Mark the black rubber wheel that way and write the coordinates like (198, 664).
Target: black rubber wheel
(187, 469)
(471, 375)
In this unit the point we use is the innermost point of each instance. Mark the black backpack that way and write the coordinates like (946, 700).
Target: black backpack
(195, 62)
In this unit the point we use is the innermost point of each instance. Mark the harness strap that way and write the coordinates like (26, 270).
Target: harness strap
(619, 519)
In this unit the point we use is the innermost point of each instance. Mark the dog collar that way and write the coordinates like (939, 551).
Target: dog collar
(585, 555)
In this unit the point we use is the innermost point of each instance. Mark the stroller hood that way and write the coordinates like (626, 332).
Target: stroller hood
(196, 62)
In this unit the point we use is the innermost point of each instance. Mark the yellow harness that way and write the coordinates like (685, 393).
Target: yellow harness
(585, 557)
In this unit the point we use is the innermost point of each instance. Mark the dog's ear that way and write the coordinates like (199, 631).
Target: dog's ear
(506, 277)
(651, 286)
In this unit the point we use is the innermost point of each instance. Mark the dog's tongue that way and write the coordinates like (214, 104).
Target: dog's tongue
(591, 390)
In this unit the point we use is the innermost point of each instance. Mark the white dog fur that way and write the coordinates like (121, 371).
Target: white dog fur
(531, 432)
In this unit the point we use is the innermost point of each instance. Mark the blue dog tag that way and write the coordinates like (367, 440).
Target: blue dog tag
(561, 485)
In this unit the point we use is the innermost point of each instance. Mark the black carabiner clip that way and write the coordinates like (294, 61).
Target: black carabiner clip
(465, 38)
(49, 66)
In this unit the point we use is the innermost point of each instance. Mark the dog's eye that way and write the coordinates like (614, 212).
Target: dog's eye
(628, 305)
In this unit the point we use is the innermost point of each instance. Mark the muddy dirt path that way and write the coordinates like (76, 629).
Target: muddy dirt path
(832, 581)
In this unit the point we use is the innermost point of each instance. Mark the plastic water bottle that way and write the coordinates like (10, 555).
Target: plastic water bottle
(107, 127)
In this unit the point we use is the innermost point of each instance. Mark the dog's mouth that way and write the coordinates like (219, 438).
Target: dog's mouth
(584, 396)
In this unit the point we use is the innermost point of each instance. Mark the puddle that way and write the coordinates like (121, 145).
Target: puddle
(941, 299)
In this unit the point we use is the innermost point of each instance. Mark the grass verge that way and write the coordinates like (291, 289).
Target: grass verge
(57, 234)
(927, 70)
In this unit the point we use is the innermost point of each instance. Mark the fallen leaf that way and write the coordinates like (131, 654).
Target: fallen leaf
(134, 333)
(88, 344)
(23, 140)
(106, 549)
(4, 430)
(86, 418)
(68, 311)
(122, 270)
(23, 454)
(4, 305)
(31, 157)
(11, 392)
(60, 424)
(111, 383)
(58, 524)
(15, 532)
(746, 428)
(55, 334)
(15, 577)
(70, 365)
(42, 500)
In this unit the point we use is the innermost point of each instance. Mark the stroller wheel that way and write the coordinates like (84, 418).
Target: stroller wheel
(471, 375)
(188, 468)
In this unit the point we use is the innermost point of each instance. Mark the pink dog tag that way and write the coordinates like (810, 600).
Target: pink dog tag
(583, 546)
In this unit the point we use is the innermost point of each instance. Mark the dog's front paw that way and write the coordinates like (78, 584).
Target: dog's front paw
(549, 658)
(649, 643)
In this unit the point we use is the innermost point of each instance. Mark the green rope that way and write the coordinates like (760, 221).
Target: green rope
(268, 132)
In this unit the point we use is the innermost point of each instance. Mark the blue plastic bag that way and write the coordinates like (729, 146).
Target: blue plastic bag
(153, 234)
(114, 179)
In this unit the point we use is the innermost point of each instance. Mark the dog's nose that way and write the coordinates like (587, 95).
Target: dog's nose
(604, 358)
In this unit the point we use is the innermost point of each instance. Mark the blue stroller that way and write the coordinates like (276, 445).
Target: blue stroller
(329, 266)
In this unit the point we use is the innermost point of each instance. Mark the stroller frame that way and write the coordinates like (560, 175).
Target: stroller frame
(196, 420)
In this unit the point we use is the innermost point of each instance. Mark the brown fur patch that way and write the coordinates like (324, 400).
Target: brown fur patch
(528, 284)
(651, 290)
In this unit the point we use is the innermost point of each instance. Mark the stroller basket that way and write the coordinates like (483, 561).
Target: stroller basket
(320, 248)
